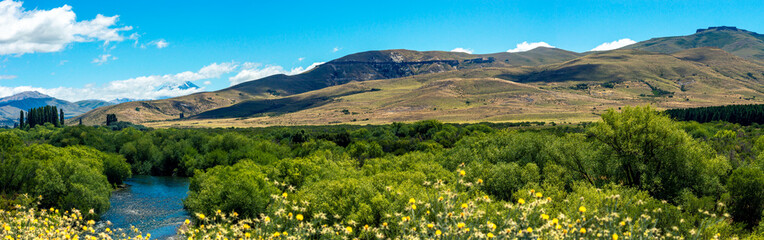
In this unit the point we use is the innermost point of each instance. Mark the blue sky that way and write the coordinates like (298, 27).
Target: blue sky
(64, 49)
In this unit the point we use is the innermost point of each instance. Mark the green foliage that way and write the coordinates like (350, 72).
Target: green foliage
(746, 187)
(66, 178)
(241, 188)
(652, 153)
(742, 114)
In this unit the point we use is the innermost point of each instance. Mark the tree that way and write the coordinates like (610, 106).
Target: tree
(21, 120)
(182, 116)
(61, 116)
(651, 152)
(80, 122)
(42, 115)
(746, 187)
(111, 119)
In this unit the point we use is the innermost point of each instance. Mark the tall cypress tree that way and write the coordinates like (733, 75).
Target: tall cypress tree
(61, 117)
(21, 119)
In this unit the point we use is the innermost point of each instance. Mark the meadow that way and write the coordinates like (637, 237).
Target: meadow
(634, 174)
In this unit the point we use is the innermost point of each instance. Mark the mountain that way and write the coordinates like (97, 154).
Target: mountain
(365, 66)
(714, 66)
(742, 43)
(575, 90)
(179, 86)
(11, 106)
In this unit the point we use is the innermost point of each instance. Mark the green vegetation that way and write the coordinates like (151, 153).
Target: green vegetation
(742, 114)
(41, 116)
(635, 171)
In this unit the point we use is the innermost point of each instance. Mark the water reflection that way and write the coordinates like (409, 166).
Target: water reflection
(152, 204)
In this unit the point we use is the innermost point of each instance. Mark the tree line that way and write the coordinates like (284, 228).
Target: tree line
(40, 116)
(742, 114)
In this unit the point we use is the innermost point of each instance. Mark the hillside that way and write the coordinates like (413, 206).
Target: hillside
(363, 66)
(719, 65)
(11, 106)
(742, 43)
(576, 90)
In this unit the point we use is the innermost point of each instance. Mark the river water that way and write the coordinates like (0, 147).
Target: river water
(151, 204)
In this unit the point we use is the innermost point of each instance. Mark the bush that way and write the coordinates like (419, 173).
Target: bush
(652, 153)
(746, 186)
(240, 188)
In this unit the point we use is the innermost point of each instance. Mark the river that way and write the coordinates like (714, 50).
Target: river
(151, 204)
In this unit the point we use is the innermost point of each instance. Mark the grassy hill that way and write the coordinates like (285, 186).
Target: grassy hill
(363, 66)
(742, 43)
(571, 91)
(719, 65)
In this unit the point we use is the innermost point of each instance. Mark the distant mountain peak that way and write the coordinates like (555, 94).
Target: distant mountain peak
(180, 86)
(24, 95)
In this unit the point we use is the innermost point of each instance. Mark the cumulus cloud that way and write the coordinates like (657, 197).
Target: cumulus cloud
(30, 31)
(144, 87)
(207, 82)
(462, 50)
(300, 59)
(103, 58)
(253, 71)
(525, 46)
(161, 43)
(614, 45)
(7, 77)
(336, 49)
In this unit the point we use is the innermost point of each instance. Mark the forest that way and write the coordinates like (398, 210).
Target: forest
(637, 173)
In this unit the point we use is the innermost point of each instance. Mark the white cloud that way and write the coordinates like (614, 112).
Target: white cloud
(161, 43)
(144, 87)
(253, 71)
(103, 59)
(462, 50)
(7, 77)
(29, 31)
(525, 46)
(336, 49)
(614, 45)
(62, 62)
(300, 59)
(207, 82)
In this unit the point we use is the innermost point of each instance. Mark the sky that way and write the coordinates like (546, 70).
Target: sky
(142, 49)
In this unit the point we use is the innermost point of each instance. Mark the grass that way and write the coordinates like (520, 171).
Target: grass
(543, 93)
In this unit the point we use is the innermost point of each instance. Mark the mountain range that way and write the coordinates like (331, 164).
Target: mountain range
(714, 66)
(11, 106)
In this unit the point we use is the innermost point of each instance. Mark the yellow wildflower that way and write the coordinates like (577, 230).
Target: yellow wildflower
(583, 230)
(615, 236)
(412, 200)
(529, 229)
(460, 225)
(462, 173)
(299, 217)
(539, 195)
(582, 209)
(521, 201)
(489, 235)
(464, 205)
(438, 232)
(284, 195)
(430, 225)
(544, 216)
(349, 229)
